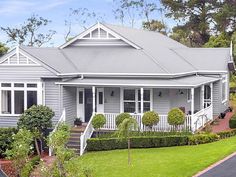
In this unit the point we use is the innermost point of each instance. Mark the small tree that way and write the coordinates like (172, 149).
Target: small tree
(150, 118)
(98, 121)
(176, 117)
(124, 131)
(21, 148)
(121, 117)
(36, 119)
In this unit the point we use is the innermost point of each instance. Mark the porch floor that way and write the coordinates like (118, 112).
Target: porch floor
(223, 123)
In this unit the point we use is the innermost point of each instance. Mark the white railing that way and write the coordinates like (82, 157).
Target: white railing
(86, 135)
(202, 117)
(61, 120)
(161, 126)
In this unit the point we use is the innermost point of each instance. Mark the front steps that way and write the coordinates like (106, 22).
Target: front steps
(74, 140)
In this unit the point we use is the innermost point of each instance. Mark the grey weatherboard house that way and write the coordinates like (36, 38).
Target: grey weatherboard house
(111, 69)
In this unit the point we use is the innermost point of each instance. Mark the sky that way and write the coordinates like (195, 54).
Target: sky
(15, 12)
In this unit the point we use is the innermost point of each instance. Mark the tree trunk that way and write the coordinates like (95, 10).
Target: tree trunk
(129, 158)
(37, 146)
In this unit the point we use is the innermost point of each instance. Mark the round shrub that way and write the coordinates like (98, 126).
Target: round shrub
(121, 117)
(98, 121)
(176, 117)
(232, 122)
(150, 118)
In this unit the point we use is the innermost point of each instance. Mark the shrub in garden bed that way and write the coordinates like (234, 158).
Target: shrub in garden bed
(226, 134)
(29, 166)
(6, 139)
(232, 122)
(202, 138)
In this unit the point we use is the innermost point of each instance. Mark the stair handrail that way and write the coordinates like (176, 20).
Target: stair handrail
(86, 135)
(61, 120)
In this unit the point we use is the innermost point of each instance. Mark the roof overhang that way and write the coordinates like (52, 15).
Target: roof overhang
(184, 82)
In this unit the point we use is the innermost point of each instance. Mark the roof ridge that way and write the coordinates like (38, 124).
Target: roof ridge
(184, 59)
(67, 58)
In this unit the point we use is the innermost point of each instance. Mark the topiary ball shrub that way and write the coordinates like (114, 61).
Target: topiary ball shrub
(150, 118)
(121, 117)
(232, 122)
(98, 121)
(176, 117)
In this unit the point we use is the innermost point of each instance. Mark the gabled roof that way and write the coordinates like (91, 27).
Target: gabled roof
(116, 50)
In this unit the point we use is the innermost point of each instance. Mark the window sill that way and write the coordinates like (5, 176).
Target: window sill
(10, 115)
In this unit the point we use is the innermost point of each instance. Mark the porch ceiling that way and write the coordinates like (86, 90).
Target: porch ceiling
(184, 82)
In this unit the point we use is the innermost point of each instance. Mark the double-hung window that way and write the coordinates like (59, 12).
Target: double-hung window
(132, 100)
(17, 97)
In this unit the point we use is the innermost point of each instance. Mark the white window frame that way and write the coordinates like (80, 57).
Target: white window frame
(136, 101)
(224, 81)
(38, 89)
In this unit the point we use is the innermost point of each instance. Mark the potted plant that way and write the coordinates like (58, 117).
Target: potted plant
(77, 122)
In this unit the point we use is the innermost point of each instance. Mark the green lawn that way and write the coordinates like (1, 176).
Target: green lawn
(159, 162)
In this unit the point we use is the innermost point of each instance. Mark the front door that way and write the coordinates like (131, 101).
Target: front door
(100, 100)
(88, 104)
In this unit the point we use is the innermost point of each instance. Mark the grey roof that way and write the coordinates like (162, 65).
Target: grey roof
(158, 55)
(184, 82)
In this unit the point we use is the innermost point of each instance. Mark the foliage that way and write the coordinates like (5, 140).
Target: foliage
(29, 32)
(98, 121)
(29, 166)
(150, 118)
(202, 138)
(6, 139)
(155, 25)
(100, 144)
(3, 49)
(36, 119)
(226, 134)
(21, 148)
(121, 117)
(222, 40)
(232, 122)
(175, 117)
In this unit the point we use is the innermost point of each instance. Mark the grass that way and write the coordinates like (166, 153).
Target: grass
(179, 161)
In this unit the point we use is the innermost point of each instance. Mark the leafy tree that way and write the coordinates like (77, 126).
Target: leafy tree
(21, 148)
(222, 40)
(175, 117)
(121, 117)
(180, 34)
(98, 121)
(196, 16)
(29, 33)
(150, 119)
(36, 119)
(3, 49)
(155, 25)
(124, 132)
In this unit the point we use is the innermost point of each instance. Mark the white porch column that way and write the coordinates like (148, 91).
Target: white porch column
(192, 109)
(94, 95)
(141, 94)
(202, 97)
(211, 86)
(121, 100)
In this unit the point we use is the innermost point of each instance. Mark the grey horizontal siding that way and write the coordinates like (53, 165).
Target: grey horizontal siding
(112, 103)
(161, 103)
(8, 121)
(106, 42)
(69, 103)
(23, 73)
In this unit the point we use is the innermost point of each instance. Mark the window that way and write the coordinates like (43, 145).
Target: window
(100, 97)
(132, 100)
(207, 92)
(224, 89)
(16, 97)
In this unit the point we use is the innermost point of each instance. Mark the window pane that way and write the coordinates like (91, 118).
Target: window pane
(81, 97)
(207, 92)
(100, 96)
(6, 84)
(31, 98)
(129, 94)
(32, 85)
(129, 107)
(6, 102)
(146, 107)
(19, 85)
(146, 95)
(19, 102)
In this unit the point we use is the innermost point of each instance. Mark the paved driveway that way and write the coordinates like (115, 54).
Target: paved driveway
(2, 174)
(225, 169)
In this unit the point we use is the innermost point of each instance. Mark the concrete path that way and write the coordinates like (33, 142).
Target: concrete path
(223, 168)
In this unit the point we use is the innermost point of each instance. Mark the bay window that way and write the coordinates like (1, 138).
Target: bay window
(17, 97)
(132, 100)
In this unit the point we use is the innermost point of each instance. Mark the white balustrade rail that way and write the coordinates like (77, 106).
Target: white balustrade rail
(61, 120)
(86, 135)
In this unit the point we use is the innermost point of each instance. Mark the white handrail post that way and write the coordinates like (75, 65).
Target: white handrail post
(141, 94)
(192, 108)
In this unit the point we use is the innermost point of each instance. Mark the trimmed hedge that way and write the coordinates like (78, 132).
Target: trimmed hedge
(96, 144)
(226, 134)
(232, 122)
(5, 139)
(202, 138)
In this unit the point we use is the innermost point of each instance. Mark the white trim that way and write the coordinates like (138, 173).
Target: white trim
(100, 107)
(141, 93)
(188, 95)
(80, 107)
(94, 99)
(121, 99)
(202, 96)
(99, 26)
(224, 80)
